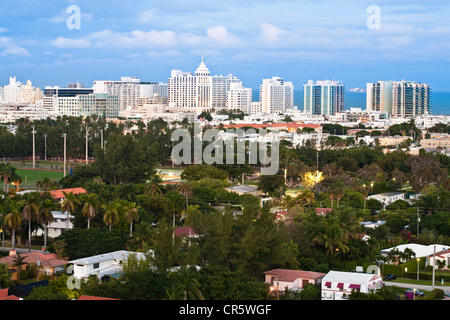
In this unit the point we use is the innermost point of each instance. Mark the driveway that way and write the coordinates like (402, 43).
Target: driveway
(419, 286)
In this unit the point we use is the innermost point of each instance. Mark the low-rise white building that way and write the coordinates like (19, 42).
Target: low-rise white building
(388, 197)
(338, 285)
(107, 264)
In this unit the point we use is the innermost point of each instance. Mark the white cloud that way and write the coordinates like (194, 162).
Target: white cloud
(270, 33)
(12, 49)
(147, 16)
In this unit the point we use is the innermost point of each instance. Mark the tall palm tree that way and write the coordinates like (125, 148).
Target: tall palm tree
(185, 190)
(90, 206)
(7, 171)
(69, 204)
(185, 285)
(111, 215)
(45, 216)
(131, 213)
(30, 212)
(13, 220)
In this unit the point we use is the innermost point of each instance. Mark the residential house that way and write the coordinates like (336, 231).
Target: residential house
(323, 211)
(443, 257)
(59, 194)
(338, 285)
(420, 251)
(285, 279)
(49, 263)
(103, 265)
(4, 295)
(60, 223)
(388, 197)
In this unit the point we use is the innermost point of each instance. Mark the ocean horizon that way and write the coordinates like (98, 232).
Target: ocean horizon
(440, 101)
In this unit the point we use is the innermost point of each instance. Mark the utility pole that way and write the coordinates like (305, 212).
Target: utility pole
(434, 263)
(34, 145)
(418, 220)
(87, 152)
(101, 138)
(45, 146)
(65, 153)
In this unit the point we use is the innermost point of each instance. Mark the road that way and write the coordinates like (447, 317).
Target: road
(419, 286)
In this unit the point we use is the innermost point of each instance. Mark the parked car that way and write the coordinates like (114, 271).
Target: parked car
(390, 277)
(418, 292)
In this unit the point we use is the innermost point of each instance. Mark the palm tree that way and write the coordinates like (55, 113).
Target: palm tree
(7, 171)
(69, 204)
(90, 206)
(185, 285)
(19, 262)
(30, 212)
(111, 216)
(131, 213)
(13, 220)
(185, 190)
(45, 216)
(174, 204)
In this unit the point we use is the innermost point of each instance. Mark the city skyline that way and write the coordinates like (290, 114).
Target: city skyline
(294, 40)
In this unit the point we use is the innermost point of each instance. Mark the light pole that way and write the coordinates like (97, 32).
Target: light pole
(87, 151)
(45, 146)
(34, 151)
(275, 286)
(65, 153)
(418, 259)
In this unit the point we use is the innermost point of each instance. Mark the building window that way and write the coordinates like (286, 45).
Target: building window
(96, 265)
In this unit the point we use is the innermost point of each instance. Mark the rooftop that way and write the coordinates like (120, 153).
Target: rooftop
(288, 275)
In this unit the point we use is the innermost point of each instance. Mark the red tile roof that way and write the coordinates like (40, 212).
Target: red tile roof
(4, 295)
(292, 275)
(184, 231)
(46, 260)
(58, 194)
(323, 211)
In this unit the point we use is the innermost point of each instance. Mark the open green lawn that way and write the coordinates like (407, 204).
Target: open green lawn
(36, 175)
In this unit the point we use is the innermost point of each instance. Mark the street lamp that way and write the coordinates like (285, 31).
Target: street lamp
(418, 259)
(275, 286)
(45, 146)
(65, 153)
(87, 153)
(34, 152)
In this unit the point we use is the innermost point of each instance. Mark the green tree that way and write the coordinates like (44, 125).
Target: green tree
(30, 212)
(13, 220)
(45, 216)
(111, 215)
(185, 285)
(132, 214)
(90, 206)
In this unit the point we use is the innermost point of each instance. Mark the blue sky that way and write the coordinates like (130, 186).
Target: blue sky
(296, 40)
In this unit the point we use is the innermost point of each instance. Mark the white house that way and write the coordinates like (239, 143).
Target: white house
(107, 264)
(388, 197)
(420, 250)
(338, 285)
(60, 223)
(443, 256)
(284, 279)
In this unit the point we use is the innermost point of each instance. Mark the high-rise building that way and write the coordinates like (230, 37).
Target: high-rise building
(323, 97)
(198, 91)
(379, 96)
(402, 99)
(239, 98)
(276, 95)
(410, 99)
(18, 93)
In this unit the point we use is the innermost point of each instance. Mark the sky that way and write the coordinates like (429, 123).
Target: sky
(353, 41)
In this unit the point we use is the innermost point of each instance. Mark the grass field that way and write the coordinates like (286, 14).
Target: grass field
(36, 175)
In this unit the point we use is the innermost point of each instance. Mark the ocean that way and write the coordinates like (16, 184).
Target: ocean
(440, 101)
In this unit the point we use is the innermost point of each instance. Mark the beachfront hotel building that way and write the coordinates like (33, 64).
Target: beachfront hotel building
(199, 91)
(276, 95)
(323, 97)
(401, 99)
